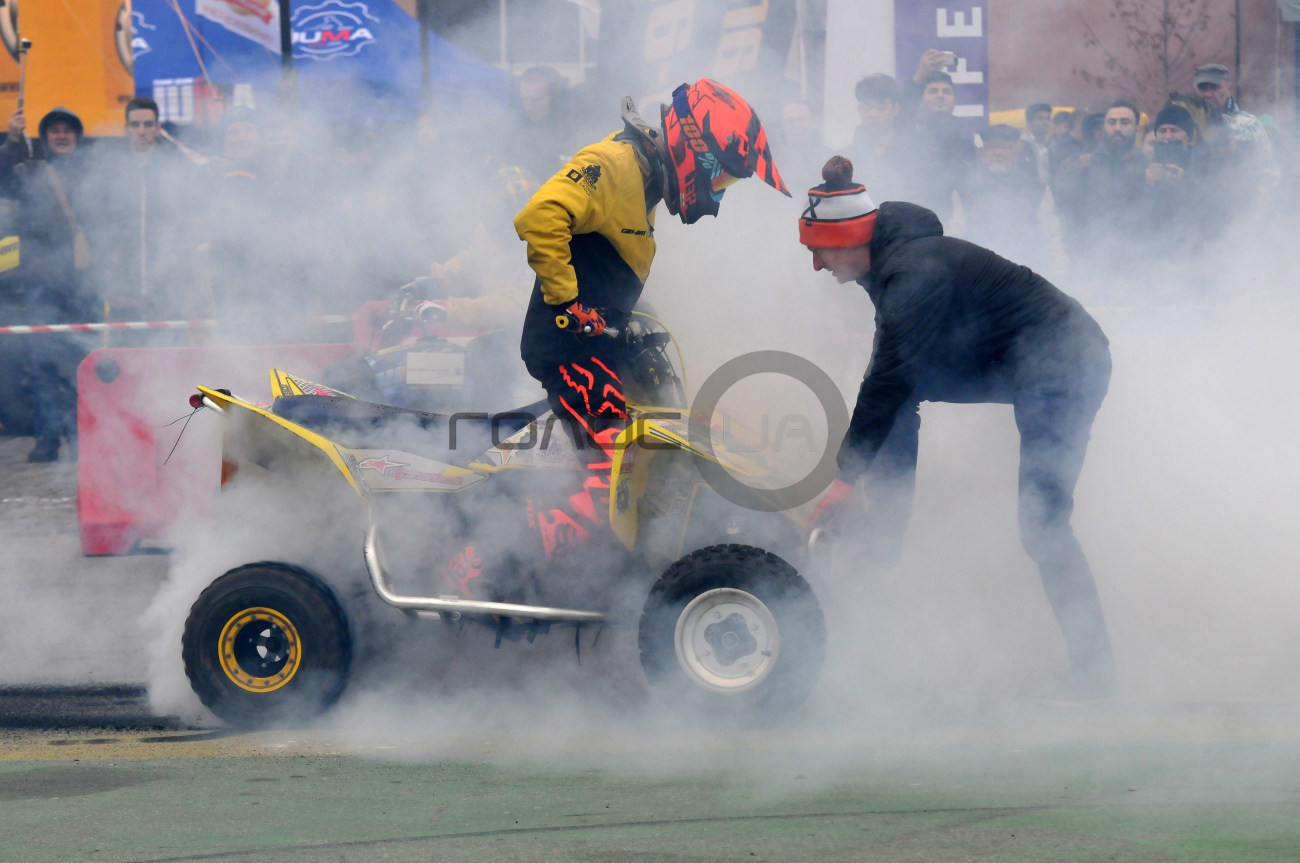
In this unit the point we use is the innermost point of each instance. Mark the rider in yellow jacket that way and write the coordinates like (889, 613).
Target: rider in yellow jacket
(590, 236)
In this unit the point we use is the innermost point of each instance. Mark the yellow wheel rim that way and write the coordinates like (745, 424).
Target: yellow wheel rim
(259, 650)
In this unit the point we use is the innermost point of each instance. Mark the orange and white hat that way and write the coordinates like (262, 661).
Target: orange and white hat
(840, 213)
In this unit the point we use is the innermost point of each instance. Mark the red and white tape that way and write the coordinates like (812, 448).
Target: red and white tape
(21, 329)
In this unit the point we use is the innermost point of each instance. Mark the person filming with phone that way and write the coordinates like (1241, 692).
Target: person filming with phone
(1176, 135)
(1174, 182)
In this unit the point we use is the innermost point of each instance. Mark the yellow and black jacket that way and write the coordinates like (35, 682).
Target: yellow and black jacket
(590, 236)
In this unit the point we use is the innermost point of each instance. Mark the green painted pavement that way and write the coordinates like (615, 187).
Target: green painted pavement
(1238, 803)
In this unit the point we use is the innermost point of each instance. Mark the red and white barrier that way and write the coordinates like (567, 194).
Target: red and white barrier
(27, 329)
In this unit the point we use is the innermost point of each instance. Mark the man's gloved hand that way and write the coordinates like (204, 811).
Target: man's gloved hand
(831, 509)
(580, 319)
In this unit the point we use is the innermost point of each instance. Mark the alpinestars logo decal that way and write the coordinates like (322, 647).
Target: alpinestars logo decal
(402, 470)
(380, 464)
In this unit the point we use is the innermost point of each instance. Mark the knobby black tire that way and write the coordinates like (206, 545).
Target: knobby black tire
(777, 585)
(325, 645)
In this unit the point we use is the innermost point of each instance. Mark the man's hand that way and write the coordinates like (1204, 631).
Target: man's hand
(581, 320)
(17, 126)
(933, 60)
(1158, 172)
(831, 509)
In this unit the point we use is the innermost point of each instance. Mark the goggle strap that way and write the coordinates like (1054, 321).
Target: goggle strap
(681, 103)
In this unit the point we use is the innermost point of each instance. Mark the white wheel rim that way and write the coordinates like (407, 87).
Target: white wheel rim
(727, 640)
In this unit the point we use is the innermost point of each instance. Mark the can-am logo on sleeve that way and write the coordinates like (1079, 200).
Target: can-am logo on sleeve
(331, 29)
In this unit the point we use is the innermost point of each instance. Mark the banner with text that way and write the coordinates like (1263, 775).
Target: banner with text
(948, 25)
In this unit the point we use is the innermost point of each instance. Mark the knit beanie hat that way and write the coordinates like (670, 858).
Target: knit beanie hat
(840, 214)
(1176, 115)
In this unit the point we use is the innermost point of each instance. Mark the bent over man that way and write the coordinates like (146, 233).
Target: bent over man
(590, 236)
(957, 323)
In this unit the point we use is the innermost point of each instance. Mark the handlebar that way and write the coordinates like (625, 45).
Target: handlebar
(562, 321)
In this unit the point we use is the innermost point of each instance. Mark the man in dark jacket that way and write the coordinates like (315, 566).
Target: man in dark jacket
(53, 203)
(941, 155)
(957, 323)
(146, 232)
(1103, 189)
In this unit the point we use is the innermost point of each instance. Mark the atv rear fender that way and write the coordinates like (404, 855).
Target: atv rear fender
(661, 438)
(255, 435)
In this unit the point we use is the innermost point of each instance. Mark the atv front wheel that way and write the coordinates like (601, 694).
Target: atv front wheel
(735, 630)
(266, 644)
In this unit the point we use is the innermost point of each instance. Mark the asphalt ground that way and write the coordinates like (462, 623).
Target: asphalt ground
(89, 770)
(1161, 793)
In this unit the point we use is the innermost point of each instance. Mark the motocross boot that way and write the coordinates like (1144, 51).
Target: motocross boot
(463, 574)
(46, 450)
(584, 511)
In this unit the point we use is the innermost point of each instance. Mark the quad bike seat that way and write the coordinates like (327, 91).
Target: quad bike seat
(457, 439)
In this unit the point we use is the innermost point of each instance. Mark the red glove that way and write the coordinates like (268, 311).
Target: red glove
(582, 320)
(836, 500)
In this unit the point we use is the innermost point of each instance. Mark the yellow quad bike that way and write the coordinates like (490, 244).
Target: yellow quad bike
(457, 518)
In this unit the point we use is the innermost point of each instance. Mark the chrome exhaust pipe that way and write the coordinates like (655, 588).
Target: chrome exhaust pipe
(379, 580)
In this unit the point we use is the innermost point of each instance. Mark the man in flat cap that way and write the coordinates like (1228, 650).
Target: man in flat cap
(1236, 135)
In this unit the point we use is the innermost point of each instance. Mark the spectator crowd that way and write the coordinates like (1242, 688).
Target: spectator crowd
(273, 220)
(278, 218)
(1093, 192)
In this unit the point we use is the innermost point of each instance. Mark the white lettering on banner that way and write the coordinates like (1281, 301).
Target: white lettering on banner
(968, 111)
(959, 29)
(175, 98)
(961, 76)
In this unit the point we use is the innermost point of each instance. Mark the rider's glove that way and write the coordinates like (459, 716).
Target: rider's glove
(831, 508)
(580, 319)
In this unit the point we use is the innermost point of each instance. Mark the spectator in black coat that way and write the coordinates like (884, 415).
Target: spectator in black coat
(147, 226)
(1174, 181)
(957, 323)
(1102, 190)
(941, 155)
(880, 148)
(53, 204)
(542, 133)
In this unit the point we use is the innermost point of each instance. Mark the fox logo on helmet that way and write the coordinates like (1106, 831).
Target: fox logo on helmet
(713, 138)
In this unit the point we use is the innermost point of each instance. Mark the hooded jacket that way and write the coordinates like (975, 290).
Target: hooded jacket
(956, 322)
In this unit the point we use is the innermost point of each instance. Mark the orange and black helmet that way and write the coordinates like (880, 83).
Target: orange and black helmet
(713, 138)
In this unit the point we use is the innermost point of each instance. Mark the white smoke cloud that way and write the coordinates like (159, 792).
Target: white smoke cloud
(1183, 508)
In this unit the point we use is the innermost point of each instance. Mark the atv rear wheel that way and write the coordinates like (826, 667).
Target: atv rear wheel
(734, 630)
(265, 644)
